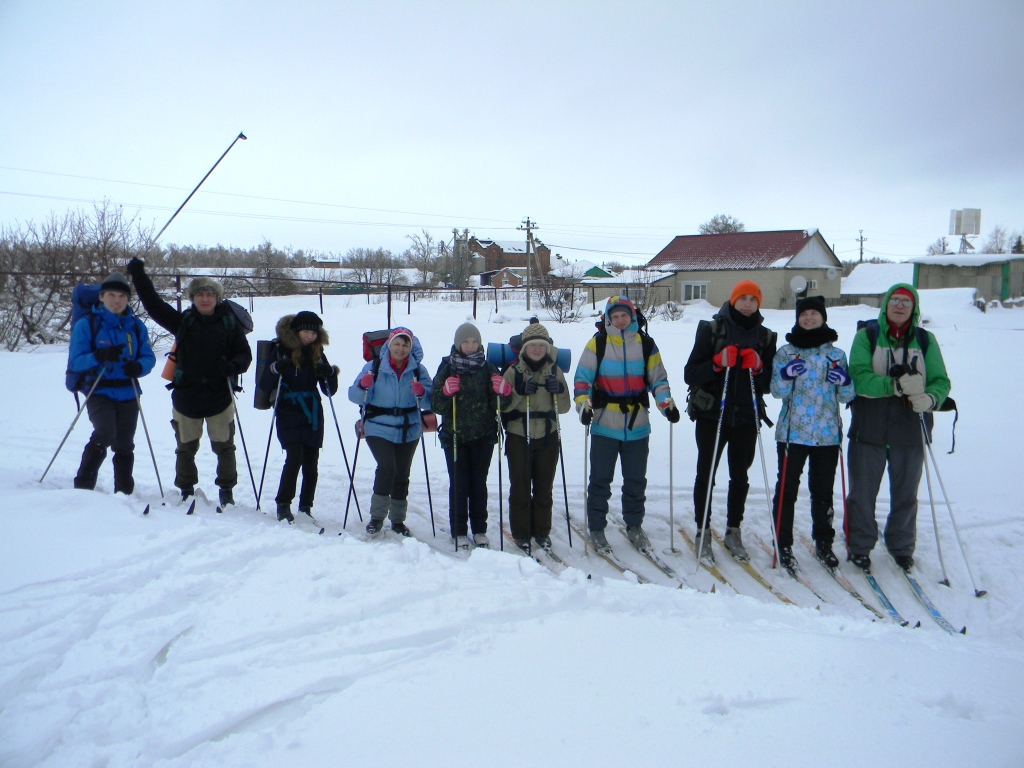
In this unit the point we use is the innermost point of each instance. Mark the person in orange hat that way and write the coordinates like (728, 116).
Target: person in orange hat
(735, 340)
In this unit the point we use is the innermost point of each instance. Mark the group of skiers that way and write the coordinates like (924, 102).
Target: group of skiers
(894, 379)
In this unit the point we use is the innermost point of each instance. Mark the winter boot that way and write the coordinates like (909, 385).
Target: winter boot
(523, 544)
(823, 551)
(226, 496)
(92, 458)
(600, 542)
(187, 493)
(461, 542)
(544, 542)
(734, 543)
(378, 512)
(906, 562)
(481, 540)
(307, 511)
(284, 512)
(861, 561)
(638, 537)
(400, 528)
(123, 481)
(788, 560)
(704, 549)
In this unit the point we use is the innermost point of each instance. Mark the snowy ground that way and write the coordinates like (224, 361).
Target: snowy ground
(233, 640)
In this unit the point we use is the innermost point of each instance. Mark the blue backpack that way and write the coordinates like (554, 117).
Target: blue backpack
(83, 299)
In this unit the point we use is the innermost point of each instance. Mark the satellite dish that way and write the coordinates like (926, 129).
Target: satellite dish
(798, 284)
(832, 273)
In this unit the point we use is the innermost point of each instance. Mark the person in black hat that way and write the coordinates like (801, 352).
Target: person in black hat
(111, 340)
(300, 367)
(811, 377)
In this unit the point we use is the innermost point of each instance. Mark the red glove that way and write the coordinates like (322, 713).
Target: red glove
(451, 386)
(749, 359)
(726, 358)
(366, 381)
(501, 387)
(417, 389)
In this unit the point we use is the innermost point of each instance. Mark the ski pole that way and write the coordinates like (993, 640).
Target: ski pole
(344, 455)
(931, 503)
(270, 436)
(956, 528)
(426, 474)
(241, 434)
(714, 466)
(355, 459)
(102, 369)
(145, 429)
(529, 478)
(764, 465)
(586, 482)
(501, 500)
(671, 498)
(454, 495)
(785, 459)
(561, 459)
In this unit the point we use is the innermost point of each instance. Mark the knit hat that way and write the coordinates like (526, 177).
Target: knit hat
(621, 303)
(535, 332)
(205, 284)
(400, 332)
(902, 292)
(306, 321)
(817, 303)
(465, 332)
(746, 288)
(116, 282)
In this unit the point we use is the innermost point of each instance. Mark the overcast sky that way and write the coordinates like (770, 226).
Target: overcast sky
(615, 126)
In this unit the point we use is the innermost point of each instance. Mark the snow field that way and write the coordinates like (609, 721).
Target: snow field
(232, 640)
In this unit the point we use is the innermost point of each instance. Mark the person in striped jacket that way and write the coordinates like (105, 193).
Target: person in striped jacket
(618, 371)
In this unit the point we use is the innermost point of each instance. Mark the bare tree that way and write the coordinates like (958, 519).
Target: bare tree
(373, 266)
(564, 301)
(422, 256)
(272, 274)
(721, 224)
(939, 247)
(996, 242)
(615, 267)
(1018, 245)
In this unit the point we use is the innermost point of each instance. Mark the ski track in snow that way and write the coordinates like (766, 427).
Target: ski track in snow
(231, 639)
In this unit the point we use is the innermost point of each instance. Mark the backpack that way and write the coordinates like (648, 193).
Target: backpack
(266, 353)
(373, 344)
(699, 400)
(84, 298)
(599, 397)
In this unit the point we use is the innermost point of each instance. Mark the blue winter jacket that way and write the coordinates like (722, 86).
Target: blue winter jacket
(815, 411)
(111, 330)
(388, 392)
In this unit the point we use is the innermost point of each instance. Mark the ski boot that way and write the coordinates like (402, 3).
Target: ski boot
(462, 543)
(481, 540)
(544, 542)
(861, 561)
(734, 543)
(523, 544)
(187, 493)
(600, 542)
(638, 537)
(284, 512)
(704, 550)
(226, 496)
(400, 528)
(375, 526)
(823, 551)
(906, 562)
(788, 560)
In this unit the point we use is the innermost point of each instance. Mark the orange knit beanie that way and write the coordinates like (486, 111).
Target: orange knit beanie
(745, 288)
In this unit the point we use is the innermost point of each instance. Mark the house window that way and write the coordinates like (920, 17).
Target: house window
(504, 281)
(812, 285)
(691, 291)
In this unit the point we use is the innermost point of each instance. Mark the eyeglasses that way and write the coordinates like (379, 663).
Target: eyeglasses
(900, 301)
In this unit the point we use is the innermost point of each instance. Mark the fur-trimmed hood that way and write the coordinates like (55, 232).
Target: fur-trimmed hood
(292, 347)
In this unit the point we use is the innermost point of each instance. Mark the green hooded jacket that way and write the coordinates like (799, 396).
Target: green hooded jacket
(880, 416)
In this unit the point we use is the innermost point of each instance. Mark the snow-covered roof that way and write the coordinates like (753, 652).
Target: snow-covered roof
(966, 259)
(627, 277)
(876, 279)
(562, 268)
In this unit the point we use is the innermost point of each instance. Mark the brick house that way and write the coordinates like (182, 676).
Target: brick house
(708, 266)
(493, 255)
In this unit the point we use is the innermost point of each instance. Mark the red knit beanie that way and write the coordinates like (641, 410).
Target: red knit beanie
(902, 292)
(746, 288)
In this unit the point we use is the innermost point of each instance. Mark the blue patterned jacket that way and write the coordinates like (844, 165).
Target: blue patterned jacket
(815, 411)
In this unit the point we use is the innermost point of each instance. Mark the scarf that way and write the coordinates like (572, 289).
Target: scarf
(815, 337)
(463, 364)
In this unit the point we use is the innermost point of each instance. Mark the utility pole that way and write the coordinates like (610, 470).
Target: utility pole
(528, 227)
(862, 239)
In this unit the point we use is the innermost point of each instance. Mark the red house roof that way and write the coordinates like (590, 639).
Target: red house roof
(732, 250)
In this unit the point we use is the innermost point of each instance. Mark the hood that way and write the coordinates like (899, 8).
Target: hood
(614, 301)
(415, 354)
(915, 317)
(290, 338)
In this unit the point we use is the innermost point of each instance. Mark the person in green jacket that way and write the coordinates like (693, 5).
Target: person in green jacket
(899, 378)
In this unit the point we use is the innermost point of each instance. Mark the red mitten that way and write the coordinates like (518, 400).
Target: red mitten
(451, 386)
(366, 381)
(501, 387)
(417, 389)
(750, 360)
(726, 358)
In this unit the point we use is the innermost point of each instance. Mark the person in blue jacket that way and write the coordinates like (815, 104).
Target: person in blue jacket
(811, 378)
(112, 340)
(300, 366)
(390, 392)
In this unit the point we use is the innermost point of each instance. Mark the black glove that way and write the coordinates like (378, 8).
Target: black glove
(553, 385)
(672, 414)
(323, 371)
(136, 267)
(132, 369)
(586, 416)
(109, 354)
(529, 387)
(228, 369)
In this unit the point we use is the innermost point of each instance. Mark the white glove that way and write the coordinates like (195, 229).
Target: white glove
(911, 384)
(922, 402)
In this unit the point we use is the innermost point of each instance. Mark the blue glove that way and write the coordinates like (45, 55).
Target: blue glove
(793, 369)
(838, 376)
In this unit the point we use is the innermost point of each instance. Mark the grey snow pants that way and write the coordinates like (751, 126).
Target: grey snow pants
(867, 464)
(632, 458)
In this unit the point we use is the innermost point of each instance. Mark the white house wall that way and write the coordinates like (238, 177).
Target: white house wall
(815, 254)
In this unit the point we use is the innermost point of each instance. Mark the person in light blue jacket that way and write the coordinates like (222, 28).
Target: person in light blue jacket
(113, 340)
(811, 377)
(390, 391)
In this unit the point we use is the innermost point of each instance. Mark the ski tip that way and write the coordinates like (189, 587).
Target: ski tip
(945, 582)
(146, 510)
(964, 630)
(980, 592)
(191, 507)
(220, 510)
(321, 532)
(918, 625)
